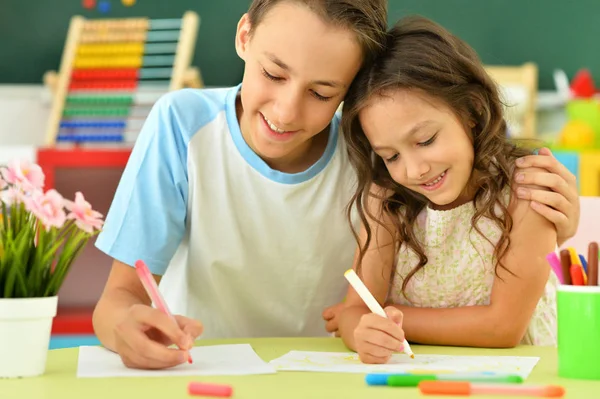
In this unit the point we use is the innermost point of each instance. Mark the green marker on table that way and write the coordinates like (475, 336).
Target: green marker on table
(412, 380)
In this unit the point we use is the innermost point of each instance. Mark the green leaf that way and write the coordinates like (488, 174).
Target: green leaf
(43, 265)
(7, 258)
(64, 263)
(17, 280)
(4, 217)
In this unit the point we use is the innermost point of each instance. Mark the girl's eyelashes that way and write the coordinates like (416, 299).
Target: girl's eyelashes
(279, 79)
(270, 77)
(421, 144)
(392, 158)
(428, 142)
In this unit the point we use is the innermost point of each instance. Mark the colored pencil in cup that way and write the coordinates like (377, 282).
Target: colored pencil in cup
(575, 260)
(577, 276)
(362, 290)
(554, 262)
(583, 263)
(565, 263)
(593, 264)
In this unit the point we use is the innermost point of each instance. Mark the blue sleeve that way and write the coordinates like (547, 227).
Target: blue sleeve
(147, 217)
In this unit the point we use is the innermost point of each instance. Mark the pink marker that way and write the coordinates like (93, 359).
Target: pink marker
(200, 389)
(152, 289)
(466, 388)
(552, 258)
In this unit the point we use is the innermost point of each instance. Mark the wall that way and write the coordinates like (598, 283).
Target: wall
(554, 34)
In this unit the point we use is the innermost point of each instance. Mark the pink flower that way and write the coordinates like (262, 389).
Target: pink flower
(3, 184)
(11, 196)
(48, 208)
(25, 175)
(85, 217)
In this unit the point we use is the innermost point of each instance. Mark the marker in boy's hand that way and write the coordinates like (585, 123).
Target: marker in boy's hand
(143, 338)
(145, 335)
(377, 338)
(157, 299)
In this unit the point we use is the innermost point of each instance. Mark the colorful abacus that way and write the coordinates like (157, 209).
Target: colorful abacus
(112, 71)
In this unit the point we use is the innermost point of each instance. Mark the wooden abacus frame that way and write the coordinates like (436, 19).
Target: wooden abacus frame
(181, 70)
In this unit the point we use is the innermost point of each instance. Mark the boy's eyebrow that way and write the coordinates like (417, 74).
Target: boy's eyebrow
(284, 66)
(277, 61)
(411, 132)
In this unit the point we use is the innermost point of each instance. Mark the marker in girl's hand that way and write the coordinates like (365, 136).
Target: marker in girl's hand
(152, 289)
(364, 293)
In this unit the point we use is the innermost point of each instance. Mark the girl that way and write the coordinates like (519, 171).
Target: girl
(234, 197)
(447, 243)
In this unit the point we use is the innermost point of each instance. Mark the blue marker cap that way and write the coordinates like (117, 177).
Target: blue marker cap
(583, 262)
(376, 379)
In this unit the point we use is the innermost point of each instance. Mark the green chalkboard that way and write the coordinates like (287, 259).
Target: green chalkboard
(552, 33)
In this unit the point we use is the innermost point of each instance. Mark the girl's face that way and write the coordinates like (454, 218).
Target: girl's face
(424, 145)
(298, 69)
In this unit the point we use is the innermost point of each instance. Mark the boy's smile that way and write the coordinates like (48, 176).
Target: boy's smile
(293, 83)
(274, 132)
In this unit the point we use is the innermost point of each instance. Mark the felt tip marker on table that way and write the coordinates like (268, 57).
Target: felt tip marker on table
(466, 388)
(374, 306)
(152, 290)
(413, 380)
(203, 389)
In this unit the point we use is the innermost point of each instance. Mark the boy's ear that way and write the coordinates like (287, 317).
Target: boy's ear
(242, 36)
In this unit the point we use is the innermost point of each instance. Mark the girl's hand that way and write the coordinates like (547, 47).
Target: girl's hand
(557, 199)
(331, 315)
(377, 338)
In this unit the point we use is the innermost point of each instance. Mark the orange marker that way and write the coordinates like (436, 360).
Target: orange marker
(466, 388)
(577, 275)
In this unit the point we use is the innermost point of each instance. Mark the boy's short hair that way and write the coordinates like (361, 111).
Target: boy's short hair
(366, 18)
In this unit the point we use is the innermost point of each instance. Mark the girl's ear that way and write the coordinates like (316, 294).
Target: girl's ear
(242, 37)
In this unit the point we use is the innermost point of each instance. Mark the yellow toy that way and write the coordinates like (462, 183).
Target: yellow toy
(577, 134)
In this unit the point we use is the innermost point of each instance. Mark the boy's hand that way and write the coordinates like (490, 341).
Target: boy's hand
(144, 336)
(557, 197)
(377, 338)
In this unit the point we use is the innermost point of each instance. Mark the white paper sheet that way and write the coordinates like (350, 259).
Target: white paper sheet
(348, 362)
(239, 359)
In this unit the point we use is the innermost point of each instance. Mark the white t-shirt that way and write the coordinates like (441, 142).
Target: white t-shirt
(247, 250)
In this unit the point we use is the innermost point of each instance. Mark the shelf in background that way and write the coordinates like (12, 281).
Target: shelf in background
(50, 159)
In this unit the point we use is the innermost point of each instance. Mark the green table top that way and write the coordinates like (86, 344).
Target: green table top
(60, 381)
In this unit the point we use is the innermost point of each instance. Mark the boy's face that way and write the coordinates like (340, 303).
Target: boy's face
(297, 71)
(424, 145)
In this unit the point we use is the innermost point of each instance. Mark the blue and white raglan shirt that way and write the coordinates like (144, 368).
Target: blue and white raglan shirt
(247, 250)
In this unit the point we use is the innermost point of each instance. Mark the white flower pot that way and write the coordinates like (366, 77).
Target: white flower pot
(25, 326)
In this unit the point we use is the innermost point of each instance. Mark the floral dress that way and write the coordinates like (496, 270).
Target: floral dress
(460, 269)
